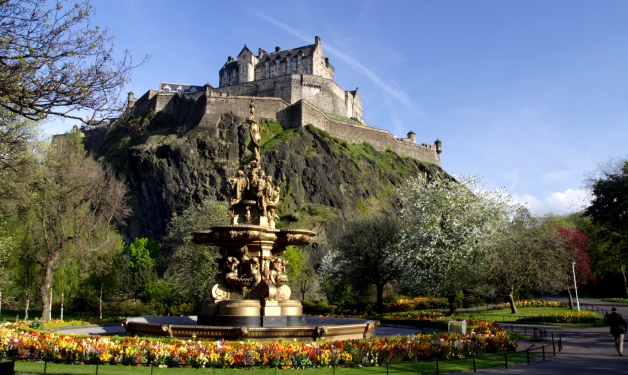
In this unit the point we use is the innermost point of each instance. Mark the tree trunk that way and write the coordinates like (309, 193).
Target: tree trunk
(511, 300)
(100, 301)
(623, 273)
(61, 317)
(46, 288)
(570, 298)
(380, 298)
(453, 304)
(28, 302)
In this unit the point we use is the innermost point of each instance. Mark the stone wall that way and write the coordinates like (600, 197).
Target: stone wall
(378, 138)
(321, 92)
(204, 111)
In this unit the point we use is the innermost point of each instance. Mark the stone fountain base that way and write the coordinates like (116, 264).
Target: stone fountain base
(186, 327)
(251, 313)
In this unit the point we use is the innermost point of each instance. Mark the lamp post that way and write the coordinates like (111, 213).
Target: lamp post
(573, 268)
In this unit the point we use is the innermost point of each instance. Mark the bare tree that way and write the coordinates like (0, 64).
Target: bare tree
(74, 204)
(53, 62)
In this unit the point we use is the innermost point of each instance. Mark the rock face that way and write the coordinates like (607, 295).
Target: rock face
(323, 180)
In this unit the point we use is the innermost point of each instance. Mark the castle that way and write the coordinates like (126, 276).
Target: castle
(295, 87)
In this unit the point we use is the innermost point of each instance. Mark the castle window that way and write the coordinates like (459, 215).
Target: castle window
(289, 60)
(278, 64)
(235, 73)
(226, 74)
(267, 65)
(305, 71)
(166, 89)
(300, 59)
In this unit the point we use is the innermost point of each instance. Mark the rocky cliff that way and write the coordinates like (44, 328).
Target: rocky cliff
(323, 180)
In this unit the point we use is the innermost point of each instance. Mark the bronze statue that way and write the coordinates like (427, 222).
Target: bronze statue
(256, 137)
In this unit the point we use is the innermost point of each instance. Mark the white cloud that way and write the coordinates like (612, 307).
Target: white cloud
(560, 203)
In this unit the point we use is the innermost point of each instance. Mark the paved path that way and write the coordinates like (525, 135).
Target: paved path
(586, 350)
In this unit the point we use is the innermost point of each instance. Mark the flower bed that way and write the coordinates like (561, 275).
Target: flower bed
(532, 303)
(484, 337)
(418, 303)
(567, 317)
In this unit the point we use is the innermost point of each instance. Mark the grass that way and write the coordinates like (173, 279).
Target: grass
(615, 300)
(393, 368)
(504, 315)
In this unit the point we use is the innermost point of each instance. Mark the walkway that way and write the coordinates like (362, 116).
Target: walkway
(586, 351)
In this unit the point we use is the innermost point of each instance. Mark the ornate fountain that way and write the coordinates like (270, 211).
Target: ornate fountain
(251, 298)
(251, 289)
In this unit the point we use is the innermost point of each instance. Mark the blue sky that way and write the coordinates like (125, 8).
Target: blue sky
(530, 95)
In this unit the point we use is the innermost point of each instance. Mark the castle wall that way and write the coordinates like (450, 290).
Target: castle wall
(322, 92)
(378, 138)
(265, 108)
(204, 111)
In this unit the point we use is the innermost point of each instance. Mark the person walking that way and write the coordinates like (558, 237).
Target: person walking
(618, 328)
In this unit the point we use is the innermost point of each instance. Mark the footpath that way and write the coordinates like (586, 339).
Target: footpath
(586, 350)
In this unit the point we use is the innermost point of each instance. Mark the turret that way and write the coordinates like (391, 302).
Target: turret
(412, 136)
(439, 147)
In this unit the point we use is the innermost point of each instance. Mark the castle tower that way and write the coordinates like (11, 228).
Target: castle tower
(412, 136)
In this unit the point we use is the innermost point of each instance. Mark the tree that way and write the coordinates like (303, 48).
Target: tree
(449, 229)
(576, 246)
(74, 205)
(191, 268)
(54, 63)
(144, 260)
(526, 257)
(609, 212)
(361, 255)
(300, 273)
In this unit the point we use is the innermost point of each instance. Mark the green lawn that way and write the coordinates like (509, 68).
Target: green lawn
(504, 315)
(399, 368)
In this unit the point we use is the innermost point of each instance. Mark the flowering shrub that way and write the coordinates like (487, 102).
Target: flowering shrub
(418, 303)
(483, 337)
(532, 303)
(566, 317)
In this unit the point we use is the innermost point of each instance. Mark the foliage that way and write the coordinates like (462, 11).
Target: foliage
(417, 303)
(527, 257)
(608, 215)
(190, 267)
(449, 229)
(73, 205)
(532, 303)
(483, 338)
(360, 257)
(54, 62)
(301, 275)
(573, 317)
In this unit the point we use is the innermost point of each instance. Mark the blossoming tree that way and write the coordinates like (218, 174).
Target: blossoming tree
(449, 228)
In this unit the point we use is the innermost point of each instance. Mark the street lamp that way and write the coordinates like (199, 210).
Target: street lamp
(573, 268)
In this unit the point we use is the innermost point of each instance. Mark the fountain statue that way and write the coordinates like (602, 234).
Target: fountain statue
(251, 297)
(251, 289)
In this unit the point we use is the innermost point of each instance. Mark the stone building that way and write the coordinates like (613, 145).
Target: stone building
(295, 87)
(302, 73)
